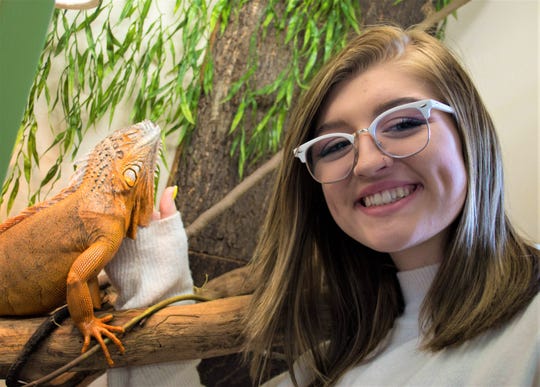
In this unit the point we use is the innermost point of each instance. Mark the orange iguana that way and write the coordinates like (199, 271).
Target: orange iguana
(53, 251)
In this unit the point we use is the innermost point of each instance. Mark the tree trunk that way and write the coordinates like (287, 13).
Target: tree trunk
(205, 171)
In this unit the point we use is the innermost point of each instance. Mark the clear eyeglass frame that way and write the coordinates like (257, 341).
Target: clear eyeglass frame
(423, 106)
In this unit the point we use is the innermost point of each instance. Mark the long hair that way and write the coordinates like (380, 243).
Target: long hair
(330, 300)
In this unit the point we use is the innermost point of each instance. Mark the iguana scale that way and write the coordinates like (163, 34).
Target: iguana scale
(52, 252)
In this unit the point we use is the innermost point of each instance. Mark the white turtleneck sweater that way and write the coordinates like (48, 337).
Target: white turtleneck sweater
(509, 356)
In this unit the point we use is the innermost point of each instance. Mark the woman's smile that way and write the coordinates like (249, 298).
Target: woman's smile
(387, 196)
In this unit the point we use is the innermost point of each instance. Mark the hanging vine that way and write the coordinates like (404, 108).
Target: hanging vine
(113, 54)
(130, 53)
(315, 29)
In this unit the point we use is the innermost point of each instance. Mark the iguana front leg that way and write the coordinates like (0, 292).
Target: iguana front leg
(79, 296)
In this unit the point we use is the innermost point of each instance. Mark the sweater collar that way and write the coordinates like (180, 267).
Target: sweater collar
(416, 283)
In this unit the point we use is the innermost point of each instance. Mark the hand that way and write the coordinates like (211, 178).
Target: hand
(167, 207)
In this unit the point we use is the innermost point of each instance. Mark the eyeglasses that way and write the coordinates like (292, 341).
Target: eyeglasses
(400, 132)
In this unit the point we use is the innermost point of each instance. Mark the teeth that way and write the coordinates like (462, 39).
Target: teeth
(387, 197)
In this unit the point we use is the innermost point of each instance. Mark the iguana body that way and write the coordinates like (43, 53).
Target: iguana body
(52, 253)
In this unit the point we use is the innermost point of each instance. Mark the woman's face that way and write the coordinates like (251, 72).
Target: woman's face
(433, 183)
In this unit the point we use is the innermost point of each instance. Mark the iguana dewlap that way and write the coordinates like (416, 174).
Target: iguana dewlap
(52, 252)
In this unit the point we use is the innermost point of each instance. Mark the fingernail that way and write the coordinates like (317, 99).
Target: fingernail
(175, 192)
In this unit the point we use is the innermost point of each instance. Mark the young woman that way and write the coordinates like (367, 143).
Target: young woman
(386, 257)
(403, 176)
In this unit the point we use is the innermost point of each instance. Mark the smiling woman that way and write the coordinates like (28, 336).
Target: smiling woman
(408, 248)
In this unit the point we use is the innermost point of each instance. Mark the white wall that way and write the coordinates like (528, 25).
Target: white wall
(498, 42)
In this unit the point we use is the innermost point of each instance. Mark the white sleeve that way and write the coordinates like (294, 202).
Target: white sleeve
(146, 270)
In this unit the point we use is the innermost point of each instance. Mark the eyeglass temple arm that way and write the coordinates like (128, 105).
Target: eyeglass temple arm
(442, 107)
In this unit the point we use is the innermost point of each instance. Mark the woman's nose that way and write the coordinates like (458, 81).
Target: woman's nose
(370, 159)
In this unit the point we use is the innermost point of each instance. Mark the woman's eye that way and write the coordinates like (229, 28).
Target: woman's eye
(335, 148)
(403, 127)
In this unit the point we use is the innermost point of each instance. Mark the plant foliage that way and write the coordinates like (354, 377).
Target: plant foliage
(134, 53)
(110, 55)
(315, 30)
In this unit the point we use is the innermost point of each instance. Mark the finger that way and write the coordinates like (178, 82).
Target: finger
(167, 206)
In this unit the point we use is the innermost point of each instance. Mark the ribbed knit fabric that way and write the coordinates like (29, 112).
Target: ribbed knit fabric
(414, 286)
(174, 374)
(507, 356)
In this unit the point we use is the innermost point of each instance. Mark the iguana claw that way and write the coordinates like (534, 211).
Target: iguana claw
(96, 328)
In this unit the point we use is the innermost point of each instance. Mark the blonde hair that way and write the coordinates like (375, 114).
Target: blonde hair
(320, 286)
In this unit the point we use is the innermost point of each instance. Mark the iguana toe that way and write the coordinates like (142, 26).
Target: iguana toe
(97, 328)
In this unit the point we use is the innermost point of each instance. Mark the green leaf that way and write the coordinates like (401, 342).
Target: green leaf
(350, 15)
(32, 144)
(128, 10)
(145, 10)
(238, 116)
(50, 174)
(186, 111)
(262, 124)
(27, 168)
(13, 195)
(310, 64)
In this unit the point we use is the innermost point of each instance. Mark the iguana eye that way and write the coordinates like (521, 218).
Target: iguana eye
(130, 176)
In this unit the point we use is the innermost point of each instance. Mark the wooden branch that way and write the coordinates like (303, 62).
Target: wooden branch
(181, 332)
(440, 15)
(236, 282)
(231, 198)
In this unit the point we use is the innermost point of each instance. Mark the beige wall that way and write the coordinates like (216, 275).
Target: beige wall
(498, 42)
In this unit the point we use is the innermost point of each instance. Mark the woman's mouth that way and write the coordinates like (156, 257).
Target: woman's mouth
(387, 196)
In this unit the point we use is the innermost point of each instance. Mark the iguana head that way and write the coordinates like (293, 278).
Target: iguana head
(121, 169)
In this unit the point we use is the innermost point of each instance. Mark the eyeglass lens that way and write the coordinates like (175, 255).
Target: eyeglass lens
(399, 134)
